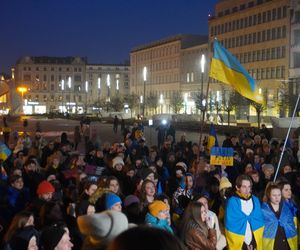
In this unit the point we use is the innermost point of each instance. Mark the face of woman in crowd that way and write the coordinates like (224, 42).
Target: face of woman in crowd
(204, 202)
(159, 163)
(189, 182)
(114, 186)
(150, 189)
(150, 177)
(92, 189)
(286, 192)
(32, 245)
(90, 210)
(203, 214)
(275, 196)
(130, 173)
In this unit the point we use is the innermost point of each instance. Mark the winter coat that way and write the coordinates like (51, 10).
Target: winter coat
(155, 222)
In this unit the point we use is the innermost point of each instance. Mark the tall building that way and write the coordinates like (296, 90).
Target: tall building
(173, 67)
(257, 32)
(64, 84)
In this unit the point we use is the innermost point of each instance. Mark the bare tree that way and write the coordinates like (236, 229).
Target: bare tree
(116, 103)
(176, 102)
(229, 104)
(151, 102)
(132, 100)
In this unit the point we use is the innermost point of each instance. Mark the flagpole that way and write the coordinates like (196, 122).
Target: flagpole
(203, 114)
(286, 139)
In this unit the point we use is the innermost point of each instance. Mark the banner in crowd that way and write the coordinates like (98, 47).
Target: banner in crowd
(4, 151)
(221, 156)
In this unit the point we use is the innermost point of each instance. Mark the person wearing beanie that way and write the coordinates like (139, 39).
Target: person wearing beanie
(224, 183)
(131, 199)
(113, 202)
(45, 190)
(56, 237)
(118, 163)
(158, 215)
(25, 238)
(101, 228)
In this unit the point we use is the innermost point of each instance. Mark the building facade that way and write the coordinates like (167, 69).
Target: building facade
(172, 69)
(257, 32)
(60, 84)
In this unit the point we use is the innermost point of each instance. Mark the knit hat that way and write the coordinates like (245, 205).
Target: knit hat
(102, 226)
(117, 160)
(51, 236)
(22, 237)
(182, 165)
(224, 183)
(111, 199)
(156, 206)
(131, 199)
(45, 187)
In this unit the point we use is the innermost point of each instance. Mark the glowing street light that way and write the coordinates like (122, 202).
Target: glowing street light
(99, 83)
(86, 86)
(22, 90)
(145, 79)
(69, 82)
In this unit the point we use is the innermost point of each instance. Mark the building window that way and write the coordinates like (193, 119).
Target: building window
(242, 23)
(284, 11)
(269, 16)
(52, 87)
(37, 69)
(268, 75)
(254, 19)
(250, 4)
(258, 74)
(258, 56)
(278, 33)
(273, 53)
(250, 20)
(273, 74)
(45, 69)
(279, 13)
(254, 56)
(24, 68)
(59, 69)
(283, 31)
(27, 77)
(264, 17)
(268, 57)
(234, 9)
(278, 53)
(263, 74)
(259, 18)
(45, 78)
(277, 72)
(283, 52)
(268, 35)
(263, 36)
(242, 6)
(273, 33)
(282, 72)
(52, 69)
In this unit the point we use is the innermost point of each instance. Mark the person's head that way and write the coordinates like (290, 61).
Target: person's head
(45, 191)
(90, 188)
(189, 181)
(286, 190)
(273, 193)
(20, 220)
(148, 188)
(30, 166)
(113, 184)
(16, 181)
(197, 214)
(25, 238)
(248, 168)
(204, 201)
(254, 176)
(50, 213)
(56, 237)
(159, 209)
(243, 184)
(268, 170)
(118, 163)
(286, 169)
(139, 237)
(147, 174)
(113, 202)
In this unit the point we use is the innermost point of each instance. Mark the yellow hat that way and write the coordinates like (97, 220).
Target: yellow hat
(156, 206)
(224, 183)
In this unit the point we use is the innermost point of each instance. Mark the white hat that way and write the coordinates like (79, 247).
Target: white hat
(182, 164)
(117, 160)
(102, 226)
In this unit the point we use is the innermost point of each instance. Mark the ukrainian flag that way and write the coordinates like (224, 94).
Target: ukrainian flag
(4, 151)
(227, 69)
(212, 138)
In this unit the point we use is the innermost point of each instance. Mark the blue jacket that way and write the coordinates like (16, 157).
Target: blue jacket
(155, 222)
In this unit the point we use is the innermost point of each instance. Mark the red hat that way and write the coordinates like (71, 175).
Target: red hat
(45, 187)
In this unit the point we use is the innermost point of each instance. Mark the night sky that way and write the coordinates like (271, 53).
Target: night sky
(103, 30)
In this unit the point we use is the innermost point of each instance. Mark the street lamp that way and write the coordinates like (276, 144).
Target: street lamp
(108, 91)
(161, 101)
(86, 94)
(144, 95)
(202, 64)
(99, 90)
(69, 85)
(185, 101)
(22, 90)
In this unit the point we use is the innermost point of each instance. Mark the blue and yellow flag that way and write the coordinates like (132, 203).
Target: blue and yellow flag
(4, 151)
(212, 138)
(227, 69)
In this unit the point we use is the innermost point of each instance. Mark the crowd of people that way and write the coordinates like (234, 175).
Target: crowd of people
(128, 195)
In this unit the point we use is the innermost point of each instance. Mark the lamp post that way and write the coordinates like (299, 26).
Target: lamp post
(62, 95)
(86, 94)
(99, 89)
(202, 64)
(22, 90)
(69, 85)
(144, 95)
(108, 91)
(161, 101)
